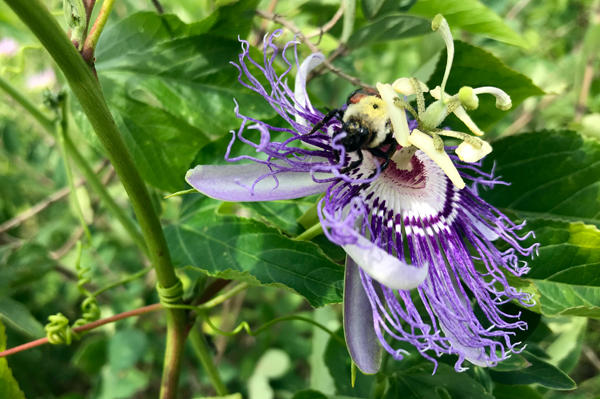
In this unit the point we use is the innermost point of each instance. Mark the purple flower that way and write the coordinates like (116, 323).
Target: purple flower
(412, 236)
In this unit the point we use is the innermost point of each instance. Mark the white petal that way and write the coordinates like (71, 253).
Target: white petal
(467, 153)
(234, 183)
(460, 113)
(482, 228)
(385, 268)
(397, 115)
(474, 355)
(425, 144)
(403, 86)
(302, 101)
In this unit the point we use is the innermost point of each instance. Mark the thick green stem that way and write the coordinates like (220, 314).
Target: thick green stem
(201, 349)
(87, 89)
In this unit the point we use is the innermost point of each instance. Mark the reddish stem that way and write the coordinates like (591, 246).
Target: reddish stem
(90, 326)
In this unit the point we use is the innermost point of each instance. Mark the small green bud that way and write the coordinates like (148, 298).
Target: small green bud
(468, 99)
(437, 21)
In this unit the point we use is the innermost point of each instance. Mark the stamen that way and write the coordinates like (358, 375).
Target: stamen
(474, 141)
(469, 153)
(405, 86)
(440, 24)
(398, 102)
(426, 144)
(503, 101)
(438, 143)
(419, 92)
(397, 114)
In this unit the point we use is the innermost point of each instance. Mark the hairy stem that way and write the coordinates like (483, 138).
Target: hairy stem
(87, 89)
(203, 353)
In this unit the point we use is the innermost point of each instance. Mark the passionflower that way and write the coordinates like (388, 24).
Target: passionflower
(420, 252)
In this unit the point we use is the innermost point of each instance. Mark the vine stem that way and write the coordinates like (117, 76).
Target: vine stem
(87, 90)
(87, 327)
(201, 349)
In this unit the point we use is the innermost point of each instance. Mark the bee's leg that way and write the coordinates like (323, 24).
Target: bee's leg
(380, 154)
(387, 155)
(329, 116)
(354, 164)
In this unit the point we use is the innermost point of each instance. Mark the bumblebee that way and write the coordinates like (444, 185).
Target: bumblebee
(367, 127)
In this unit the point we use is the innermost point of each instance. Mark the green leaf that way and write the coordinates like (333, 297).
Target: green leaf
(91, 354)
(309, 394)
(540, 372)
(281, 214)
(17, 316)
(514, 362)
(377, 8)
(470, 15)
(171, 88)
(389, 27)
(123, 384)
(476, 67)
(126, 348)
(565, 274)
(372, 7)
(552, 174)
(502, 391)
(565, 350)
(29, 263)
(419, 383)
(248, 250)
(9, 388)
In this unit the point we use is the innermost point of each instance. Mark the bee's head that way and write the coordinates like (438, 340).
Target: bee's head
(357, 134)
